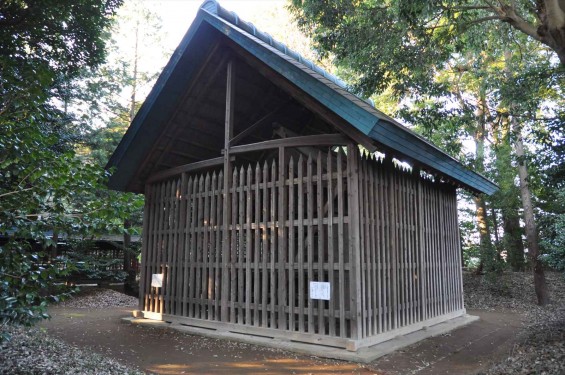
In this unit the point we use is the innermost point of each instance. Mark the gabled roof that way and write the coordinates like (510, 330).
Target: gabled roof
(374, 126)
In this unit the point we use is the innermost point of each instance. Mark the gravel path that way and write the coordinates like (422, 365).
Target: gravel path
(98, 298)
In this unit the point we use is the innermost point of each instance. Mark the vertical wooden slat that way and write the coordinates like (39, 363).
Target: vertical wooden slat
(265, 250)
(282, 241)
(174, 266)
(367, 230)
(248, 246)
(300, 221)
(330, 241)
(186, 249)
(291, 248)
(310, 238)
(400, 212)
(341, 245)
(164, 254)
(320, 228)
(241, 247)
(199, 295)
(355, 246)
(213, 239)
(205, 248)
(228, 132)
(180, 245)
(257, 247)
(145, 245)
(273, 245)
(233, 247)
(374, 291)
(149, 246)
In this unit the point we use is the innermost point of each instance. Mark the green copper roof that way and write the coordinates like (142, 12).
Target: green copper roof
(329, 90)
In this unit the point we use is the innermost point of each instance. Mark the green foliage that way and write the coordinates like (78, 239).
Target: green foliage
(93, 262)
(27, 283)
(44, 186)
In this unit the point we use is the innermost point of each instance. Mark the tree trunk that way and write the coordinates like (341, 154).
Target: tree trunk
(513, 239)
(531, 229)
(482, 215)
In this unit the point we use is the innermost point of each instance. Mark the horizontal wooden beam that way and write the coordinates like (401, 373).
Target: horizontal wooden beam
(186, 168)
(308, 140)
(252, 128)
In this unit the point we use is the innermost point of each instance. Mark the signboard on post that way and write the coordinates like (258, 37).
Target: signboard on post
(320, 290)
(157, 280)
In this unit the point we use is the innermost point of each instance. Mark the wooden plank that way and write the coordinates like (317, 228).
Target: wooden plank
(199, 292)
(265, 250)
(185, 168)
(148, 247)
(248, 246)
(219, 236)
(193, 248)
(374, 287)
(341, 246)
(186, 247)
(307, 140)
(291, 248)
(393, 303)
(330, 241)
(180, 245)
(240, 245)
(174, 266)
(310, 239)
(282, 241)
(459, 254)
(233, 247)
(257, 247)
(212, 265)
(367, 261)
(204, 307)
(321, 248)
(228, 132)
(400, 211)
(355, 246)
(273, 246)
(300, 256)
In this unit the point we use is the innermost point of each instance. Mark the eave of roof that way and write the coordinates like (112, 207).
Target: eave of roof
(324, 87)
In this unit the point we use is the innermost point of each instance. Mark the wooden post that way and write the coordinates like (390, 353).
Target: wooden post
(354, 240)
(229, 118)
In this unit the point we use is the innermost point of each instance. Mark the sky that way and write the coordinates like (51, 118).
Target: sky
(177, 15)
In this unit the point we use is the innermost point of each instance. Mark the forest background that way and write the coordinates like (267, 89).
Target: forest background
(482, 80)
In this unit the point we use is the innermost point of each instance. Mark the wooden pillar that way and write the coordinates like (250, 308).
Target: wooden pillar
(282, 242)
(144, 249)
(354, 241)
(228, 133)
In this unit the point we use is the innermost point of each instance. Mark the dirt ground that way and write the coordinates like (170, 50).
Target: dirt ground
(467, 350)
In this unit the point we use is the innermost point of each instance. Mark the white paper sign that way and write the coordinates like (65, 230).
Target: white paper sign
(319, 290)
(157, 280)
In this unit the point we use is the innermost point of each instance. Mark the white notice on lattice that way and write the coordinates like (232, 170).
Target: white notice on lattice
(320, 290)
(157, 280)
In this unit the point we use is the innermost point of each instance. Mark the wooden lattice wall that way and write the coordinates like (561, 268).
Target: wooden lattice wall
(387, 242)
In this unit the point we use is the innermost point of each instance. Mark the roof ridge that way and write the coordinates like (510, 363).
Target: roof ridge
(214, 6)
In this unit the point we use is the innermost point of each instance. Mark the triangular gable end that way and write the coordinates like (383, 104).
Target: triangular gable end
(201, 54)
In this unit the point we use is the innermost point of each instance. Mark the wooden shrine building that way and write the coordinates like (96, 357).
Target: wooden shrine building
(266, 210)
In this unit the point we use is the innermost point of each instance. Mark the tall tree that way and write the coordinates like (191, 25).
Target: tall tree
(421, 39)
(43, 47)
